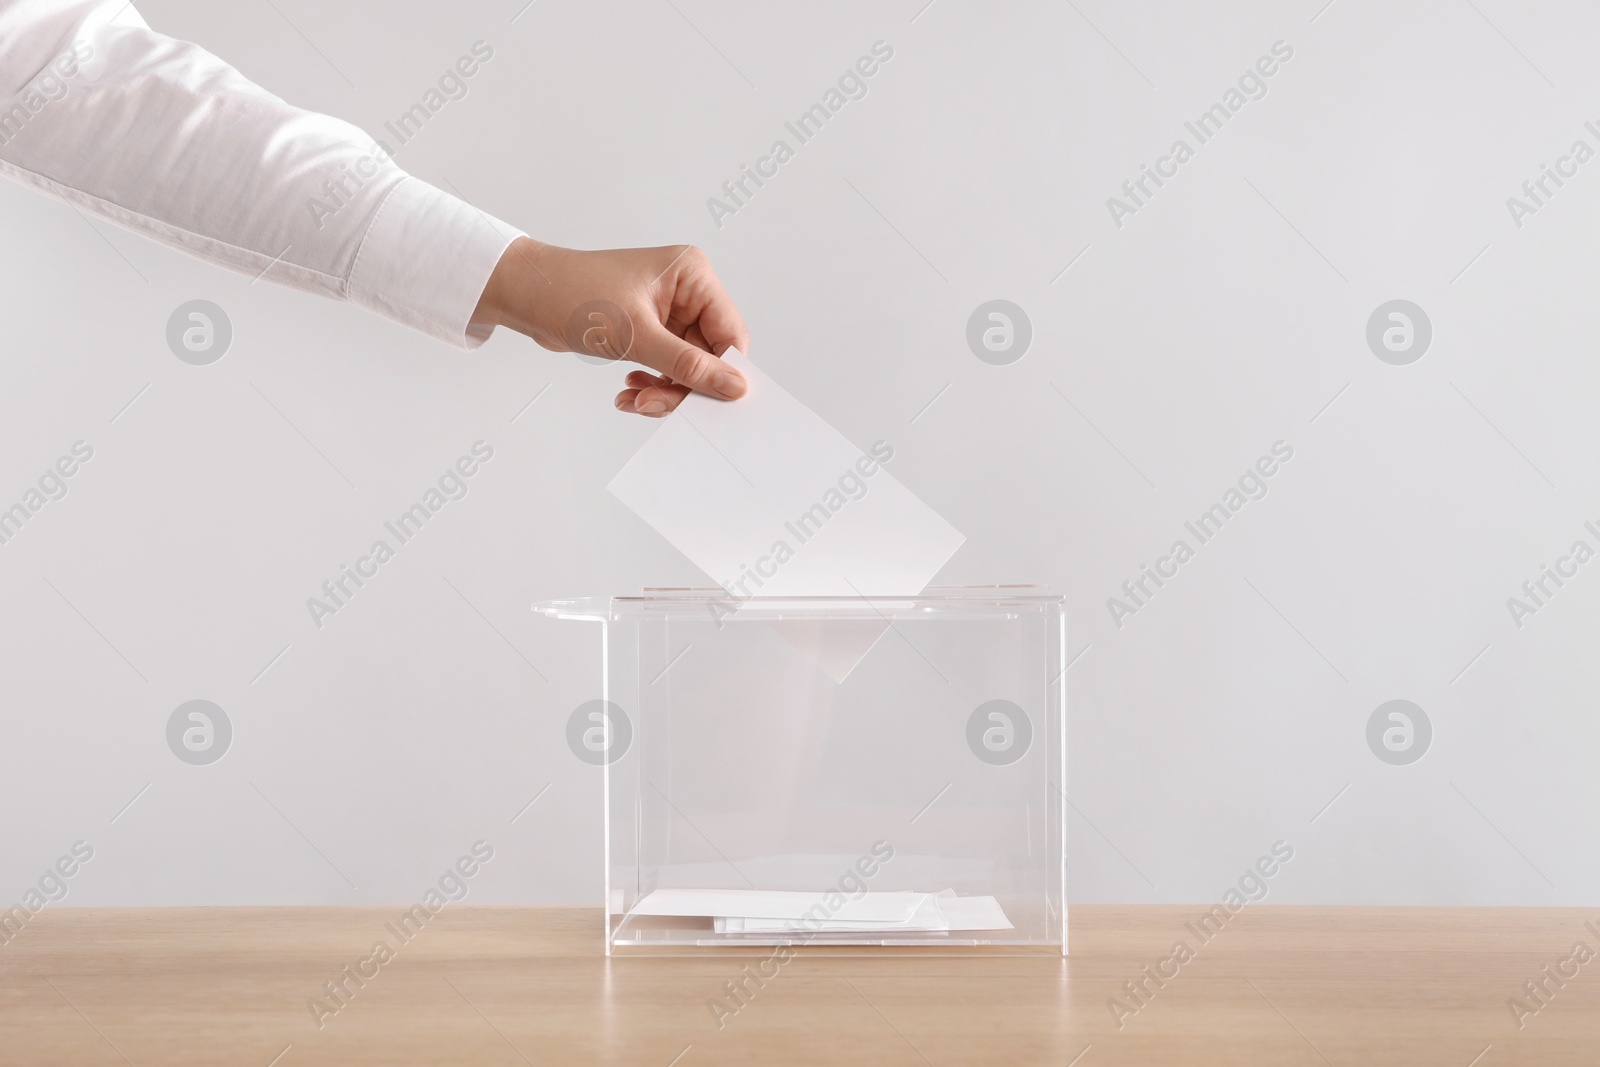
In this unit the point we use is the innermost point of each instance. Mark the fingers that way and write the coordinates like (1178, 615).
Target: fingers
(627, 400)
(651, 406)
(657, 348)
(702, 302)
(650, 394)
(697, 338)
(640, 379)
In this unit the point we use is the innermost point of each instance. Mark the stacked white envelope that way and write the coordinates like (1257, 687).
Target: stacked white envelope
(762, 911)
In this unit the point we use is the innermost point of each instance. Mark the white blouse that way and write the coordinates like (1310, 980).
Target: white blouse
(163, 138)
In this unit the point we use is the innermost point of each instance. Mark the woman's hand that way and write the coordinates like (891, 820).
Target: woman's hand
(661, 307)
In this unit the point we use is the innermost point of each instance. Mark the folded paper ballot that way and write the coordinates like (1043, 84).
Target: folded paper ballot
(770, 500)
(754, 911)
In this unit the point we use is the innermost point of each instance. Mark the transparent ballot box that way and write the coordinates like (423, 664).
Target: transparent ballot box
(872, 773)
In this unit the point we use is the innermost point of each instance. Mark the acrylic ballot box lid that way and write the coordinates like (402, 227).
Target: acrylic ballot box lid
(880, 774)
(704, 602)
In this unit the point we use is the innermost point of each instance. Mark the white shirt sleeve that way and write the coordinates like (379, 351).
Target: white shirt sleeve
(163, 138)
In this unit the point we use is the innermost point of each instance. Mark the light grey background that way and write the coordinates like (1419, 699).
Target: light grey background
(1228, 314)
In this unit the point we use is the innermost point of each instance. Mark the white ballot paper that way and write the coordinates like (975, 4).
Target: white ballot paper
(766, 911)
(778, 904)
(927, 917)
(972, 913)
(945, 912)
(770, 500)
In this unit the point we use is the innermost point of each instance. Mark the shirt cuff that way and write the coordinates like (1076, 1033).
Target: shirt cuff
(425, 261)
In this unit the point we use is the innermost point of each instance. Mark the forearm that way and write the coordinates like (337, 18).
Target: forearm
(163, 138)
(514, 298)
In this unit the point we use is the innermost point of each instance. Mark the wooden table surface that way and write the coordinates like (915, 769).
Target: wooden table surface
(516, 986)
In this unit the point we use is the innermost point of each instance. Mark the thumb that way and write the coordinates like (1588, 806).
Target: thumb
(659, 349)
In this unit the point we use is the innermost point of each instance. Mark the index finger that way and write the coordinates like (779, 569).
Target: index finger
(700, 300)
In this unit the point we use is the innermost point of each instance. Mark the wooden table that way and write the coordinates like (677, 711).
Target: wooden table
(515, 986)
